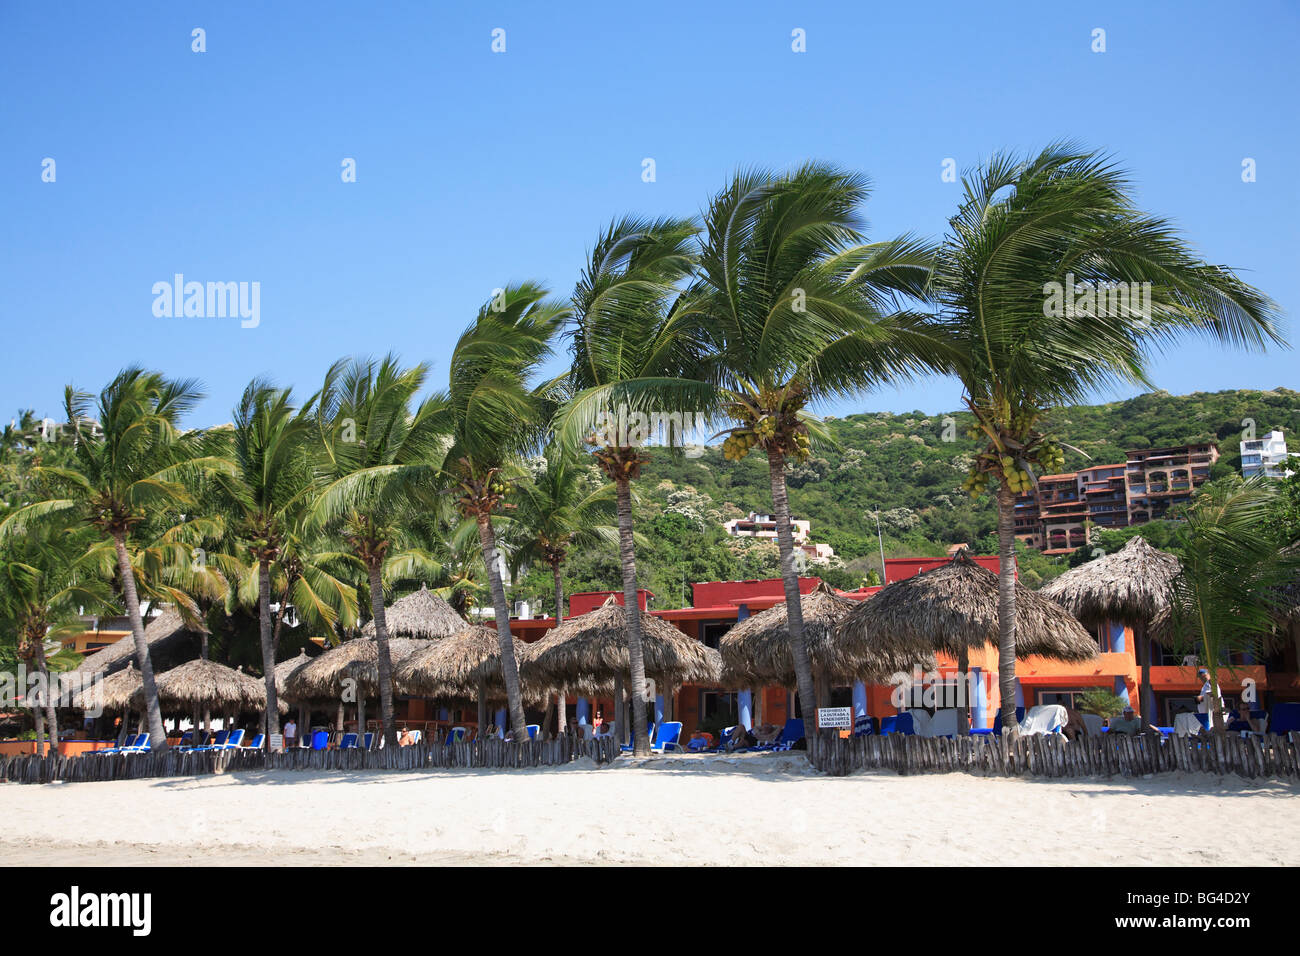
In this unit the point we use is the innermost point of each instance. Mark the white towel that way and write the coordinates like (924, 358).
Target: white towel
(1043, 719)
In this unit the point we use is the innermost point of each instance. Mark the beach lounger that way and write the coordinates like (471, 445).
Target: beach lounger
(1043, 719)
(256, 744)
(140, 746)
(863, 726)
(320, 740)
(663, 738)
(943, 723)
(218, 743)
(127, 743)
(454, 736)
(897, 724)
(349, 742)
(1286, 718)
(369, 741)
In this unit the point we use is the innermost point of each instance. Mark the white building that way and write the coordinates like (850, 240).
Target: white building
(1265, 456)
(759, 525)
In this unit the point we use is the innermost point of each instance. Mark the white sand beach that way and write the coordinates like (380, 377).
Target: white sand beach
(667, 811)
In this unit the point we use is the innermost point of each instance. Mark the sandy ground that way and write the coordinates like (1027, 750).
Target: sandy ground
(768, 808)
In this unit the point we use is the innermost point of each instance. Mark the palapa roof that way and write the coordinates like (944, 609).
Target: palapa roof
(356, 660)
(420, 614)
(287, 668)
(201, 683)
(956, 605)
(1129, 586)
(166, 628)
(454, 664)
(757, 650)
(114, 691)
(587, 652)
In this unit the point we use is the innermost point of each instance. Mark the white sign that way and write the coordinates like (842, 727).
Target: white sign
(835, 718)
(277, 743)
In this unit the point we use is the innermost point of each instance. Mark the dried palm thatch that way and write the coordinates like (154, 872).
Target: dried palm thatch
(166, 628)
(113, 692)
(201, 683)
(454, 666)
(356, 661)
(1129, 586)
(953, 608)
(421, 614)
(588, 653)
(756, 652)
(286, 669)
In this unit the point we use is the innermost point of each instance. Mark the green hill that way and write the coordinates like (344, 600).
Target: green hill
(909, 466)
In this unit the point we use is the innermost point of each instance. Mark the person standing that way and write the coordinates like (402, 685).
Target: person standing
(290, 732)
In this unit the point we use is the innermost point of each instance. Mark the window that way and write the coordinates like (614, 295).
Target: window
(1063, 697)
(711, 632)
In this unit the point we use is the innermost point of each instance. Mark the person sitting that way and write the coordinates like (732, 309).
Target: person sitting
(740, 738)
(1241, 719)
(1127, 724)
(767, 733)
(406, 738)
(1074, 724)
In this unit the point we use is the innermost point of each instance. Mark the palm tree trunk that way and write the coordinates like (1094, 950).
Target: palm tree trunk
(1007, 609)
(561, 722)
(1148, 698)
(385, 662)
(482, 706)
(803, 668)
(157, 737)
(51, 715)
(272, 725)
(963, 691)
(509, 666)
(632, 608)
(38, 719)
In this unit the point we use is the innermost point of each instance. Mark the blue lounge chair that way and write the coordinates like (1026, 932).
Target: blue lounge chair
(257, 742)
(320, 740)
(140, 746)
(666, 737)
(368, 741)
(454, 736)
(1203, 720)
(897, 724)
(997, 721)
(349, 742)
(1286, 718)
(218, 743)
(863, 726)
(791, 734)
(128, 742)
(533, 731)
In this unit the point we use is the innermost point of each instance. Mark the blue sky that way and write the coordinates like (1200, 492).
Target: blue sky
(476, 168)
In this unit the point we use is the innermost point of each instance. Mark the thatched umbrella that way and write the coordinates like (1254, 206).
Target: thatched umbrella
(756, 651)
(112, 693)
(166, 630)
(421, 614)
(352, 667)
(201, 684)
(953, 609)
(283, 671)
(589, 654)
(465, 665)
(1130, 586)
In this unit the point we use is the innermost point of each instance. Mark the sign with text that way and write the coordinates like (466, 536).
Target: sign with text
(835, 718)
(277, 743)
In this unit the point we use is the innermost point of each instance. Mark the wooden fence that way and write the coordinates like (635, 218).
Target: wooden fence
(28, 768)
(1050, 756)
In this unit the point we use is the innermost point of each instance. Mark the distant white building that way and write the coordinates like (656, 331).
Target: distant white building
(1265, 456)
(760, 525)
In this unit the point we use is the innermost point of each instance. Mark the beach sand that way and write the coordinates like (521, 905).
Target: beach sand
(666, 811)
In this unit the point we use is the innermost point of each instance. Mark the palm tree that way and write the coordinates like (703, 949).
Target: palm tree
(493, 415)
(1025, 338)
(557, 509)
(374, 455)
(135, 463)
(802, 310)
(49, 577)
(1228, 594)
(266, 495)
(634, 353)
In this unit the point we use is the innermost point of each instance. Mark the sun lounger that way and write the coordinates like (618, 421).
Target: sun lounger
(1286, 718)
(1092, 723)
(943, 723)
(127, 745)
(1043, 719)
(897, 724)
(140, 746)
(369, 741)
(664, 738)
(218, 743)
(320, 740)
(258, 741)
(349, 742)
(454, 736)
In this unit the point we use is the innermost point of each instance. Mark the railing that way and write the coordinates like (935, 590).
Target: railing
(1039, 755)
(488, 752)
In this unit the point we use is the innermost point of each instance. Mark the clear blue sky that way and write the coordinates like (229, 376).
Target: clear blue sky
(475, 168)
